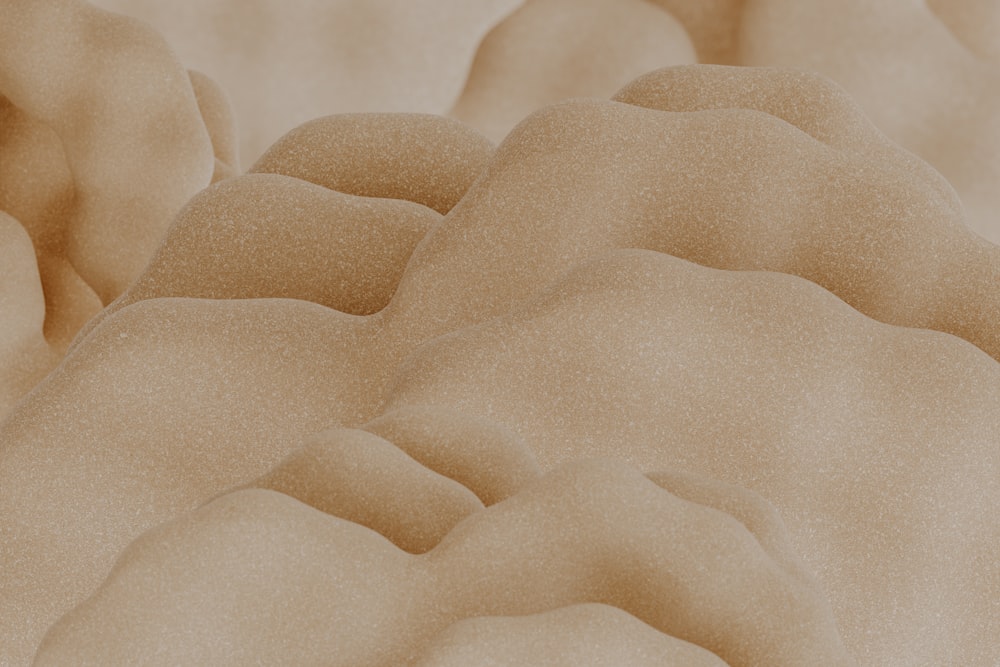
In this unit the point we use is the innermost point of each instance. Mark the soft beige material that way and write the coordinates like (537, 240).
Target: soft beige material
(102, 139)
(37, 188)
(217, 113)
(583, 635)
(713, 26)
(550, 50)
(284, 63)
(765, 381)
(330, 214)
(267, 235)
(136, 151)
(276, 581)
(975, 23)
(25, 355)
(785, 376)
(391, 328)
(893, 246)
(919, 83)
(639, 355)
(421, 158)
(925, 72)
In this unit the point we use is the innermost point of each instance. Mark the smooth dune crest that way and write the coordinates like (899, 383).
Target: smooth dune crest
(94, 161)
(498, 94)
(551, 50)
(761, 170)
(926, 73)
(426, 159)
(136, 152)
(386, 303)
(517, 371)
(287, 63)
(958, 290)
(589, 635)
(330, 214)
(547, 201)
(918, 69)
(276, 580)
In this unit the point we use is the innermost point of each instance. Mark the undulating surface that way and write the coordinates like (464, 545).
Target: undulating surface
(502, 333)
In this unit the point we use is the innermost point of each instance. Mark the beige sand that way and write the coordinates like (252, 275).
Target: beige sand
(390, 327)
(975, 23)
(382, 182)
(25, 356)
(923, 87)
(102, 139)
(933, 420)
(589, 635)
(522, 66)
(685, 568)
(285, 63)
(220, 121)
(136, 152)
(893, 246)
(421, 158)
(254, 378)
(713, 26)
(550, 50)
(925, 72)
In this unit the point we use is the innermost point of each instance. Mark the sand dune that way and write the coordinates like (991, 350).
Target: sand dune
(425, 159)
(550, 50)
(706, 373)
(531, 375)
(368, 603)
(287, 63)
(136, 152)
(920, 84)
(585, 634)
(527, 58)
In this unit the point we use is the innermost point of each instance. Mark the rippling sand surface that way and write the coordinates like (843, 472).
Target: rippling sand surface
(435, 333)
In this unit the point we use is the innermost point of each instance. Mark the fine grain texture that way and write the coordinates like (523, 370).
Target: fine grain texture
(675, 342)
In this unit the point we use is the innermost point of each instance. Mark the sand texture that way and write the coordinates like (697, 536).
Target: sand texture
(505, 333)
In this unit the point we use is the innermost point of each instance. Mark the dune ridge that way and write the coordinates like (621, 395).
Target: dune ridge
(905, 364)
(926, 73)
(136, 152)
(954, 133)
(711, 365)
(381, 603)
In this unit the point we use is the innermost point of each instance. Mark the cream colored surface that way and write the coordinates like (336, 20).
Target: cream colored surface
(920, 84)
(704, 374)
(589, 635)
(285, 63)
(136, 151)
(926, 80)
(550, 50)
(800, 389)
(691, 571)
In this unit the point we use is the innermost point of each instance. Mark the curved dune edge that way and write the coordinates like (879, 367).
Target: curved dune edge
(287, 63)
(893, 246)
(323, 367)
(94, 164)
(329, 214)
(479, 319)
(587, 634)
(550, 50)
(361, 601)
(426, 159)
(954, 133)
(136, 153)
(926, 73)
(522, 385)
(945, 114)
